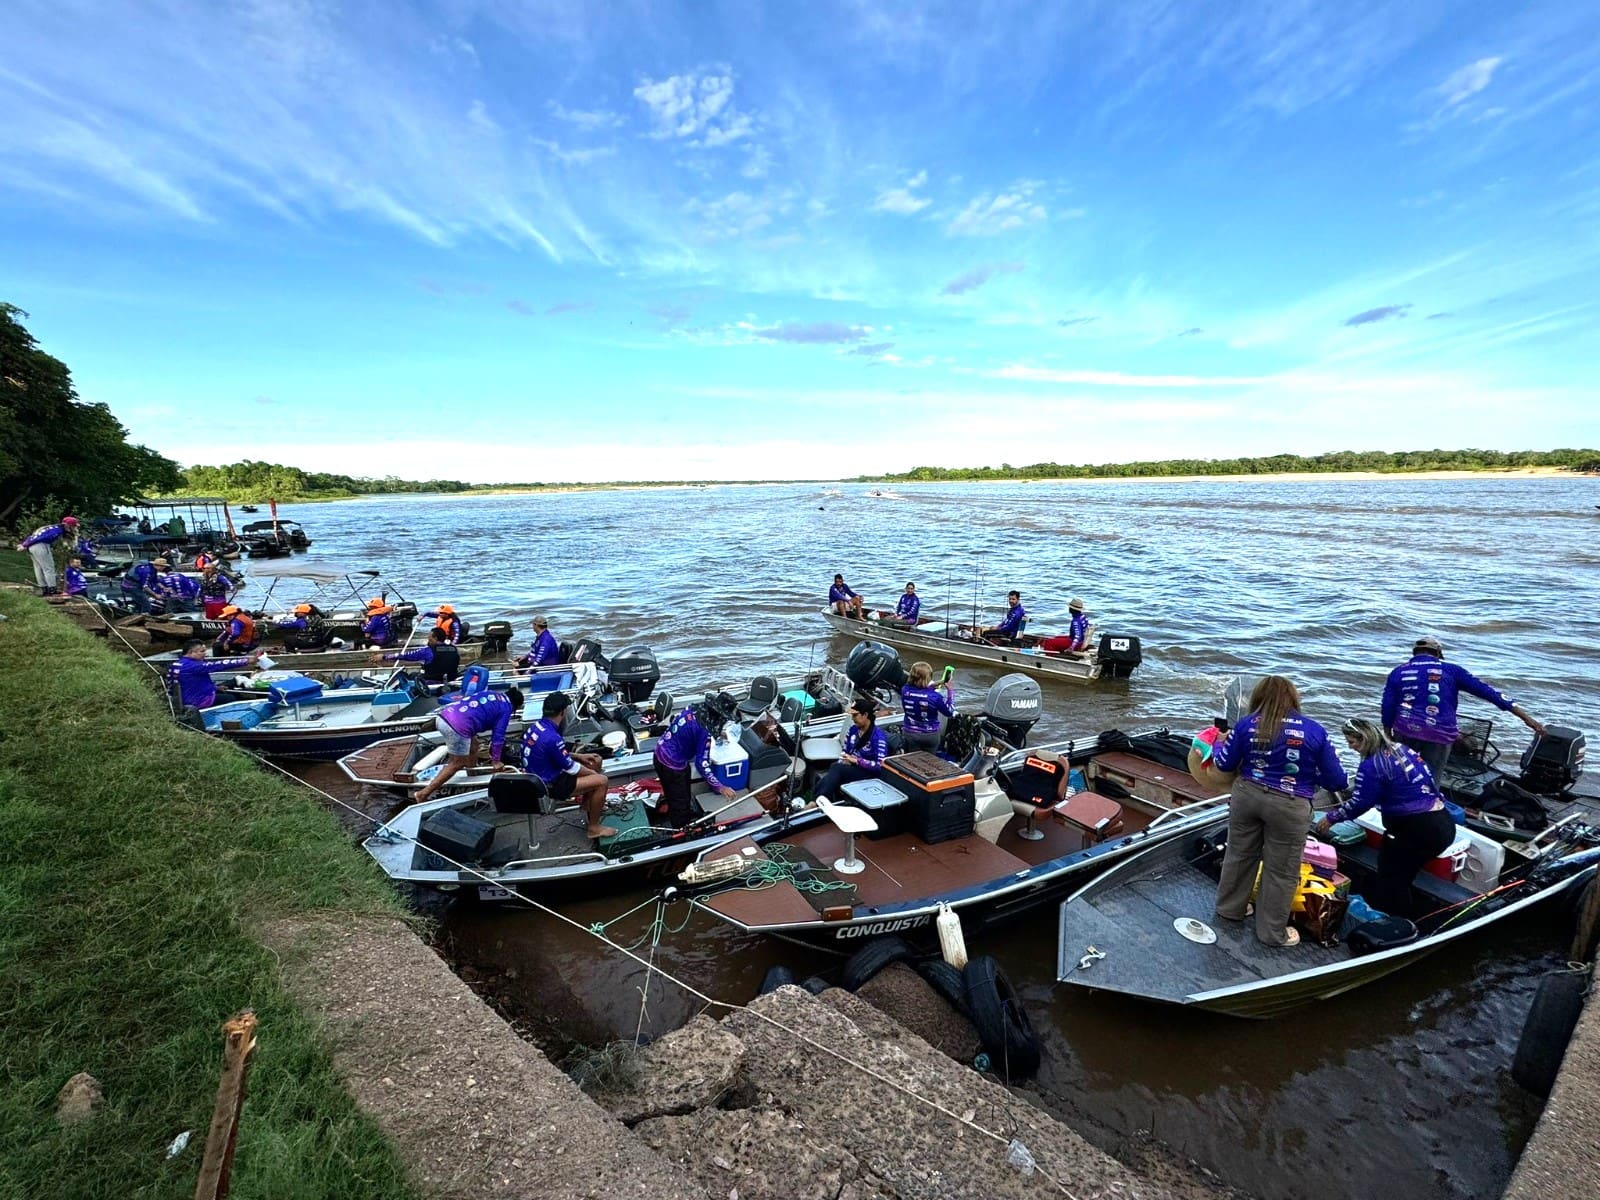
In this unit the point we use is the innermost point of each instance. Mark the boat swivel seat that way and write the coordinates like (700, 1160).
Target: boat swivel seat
(763, 693)
(525, 794)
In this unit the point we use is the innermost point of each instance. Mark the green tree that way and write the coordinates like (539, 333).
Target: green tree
(56, 450)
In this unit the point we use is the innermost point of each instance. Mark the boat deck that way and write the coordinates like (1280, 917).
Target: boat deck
(380, 762)
(1145, 955)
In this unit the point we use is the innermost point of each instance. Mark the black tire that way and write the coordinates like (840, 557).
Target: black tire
(873, 957)
(1547, 1030)
(1001, 1020)
(1591, 936)
(816, 985)
(776, 977)
(947, 981)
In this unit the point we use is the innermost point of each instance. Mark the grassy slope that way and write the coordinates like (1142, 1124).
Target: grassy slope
(15, 566)
(135, 857)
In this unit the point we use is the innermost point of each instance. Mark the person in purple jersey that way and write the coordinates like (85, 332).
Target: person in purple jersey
(1010, 629)
(544, 755)
(41, 547)
(141, 584)
(182, 592)
(908, 608)
(378, 628)
(461, 722)
(545, 651)
(865, 748)
(923, 703)
(687, 743)
(189, 678)
(77, 585)
(1281, 757)
(1416, 826)
(843, 600)
(1420, 698)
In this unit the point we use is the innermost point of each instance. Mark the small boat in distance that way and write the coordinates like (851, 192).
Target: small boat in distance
(1114, 657)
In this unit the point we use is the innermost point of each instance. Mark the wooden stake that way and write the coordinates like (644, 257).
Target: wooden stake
(238, 1048)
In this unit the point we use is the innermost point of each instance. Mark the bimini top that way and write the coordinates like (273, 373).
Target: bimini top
(286, 569)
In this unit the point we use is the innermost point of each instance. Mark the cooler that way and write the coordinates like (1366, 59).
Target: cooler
(296, 689)
(941, 795)
(887, 804)
(1447, 866)
(730, 765)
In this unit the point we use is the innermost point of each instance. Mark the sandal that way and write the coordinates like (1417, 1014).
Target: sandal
(1291, 938)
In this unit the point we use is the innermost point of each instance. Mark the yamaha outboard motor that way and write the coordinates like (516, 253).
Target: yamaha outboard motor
(496, 638)
(874, 665)
(1119, 654)
(1555, 760)
(634, 673)
(1013, 707)
(588, 650)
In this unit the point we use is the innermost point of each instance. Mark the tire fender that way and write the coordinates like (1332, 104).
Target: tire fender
(1001, 1020)
(873, 957)
(1547, 1030)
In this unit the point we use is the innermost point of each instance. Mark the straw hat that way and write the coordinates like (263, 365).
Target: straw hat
(160, 562)
(1076, 605)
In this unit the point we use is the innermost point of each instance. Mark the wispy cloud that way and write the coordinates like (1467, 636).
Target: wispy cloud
(901, 200)
(878, 350)
(993, 214)
(814, 333)
(522, 308)
(1122, 379)
(697, 107)
(1069, 322)
(978, 276)
(1192, 331)
(588, 120)
(568, 306)
(1371, 316)
(1461, 85)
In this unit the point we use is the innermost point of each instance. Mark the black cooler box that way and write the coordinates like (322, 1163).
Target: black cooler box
(458, 837)
(940, 795)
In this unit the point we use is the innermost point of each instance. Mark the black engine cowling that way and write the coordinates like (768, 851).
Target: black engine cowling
(874, 665)
(1119, 654)
(634, 673)
(1555, 760)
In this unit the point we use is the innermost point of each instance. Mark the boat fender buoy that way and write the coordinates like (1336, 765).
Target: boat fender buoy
(952, 945)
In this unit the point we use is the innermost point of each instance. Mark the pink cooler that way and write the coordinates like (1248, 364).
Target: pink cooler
(1324, 859)
(214, 608)
(1453, 861)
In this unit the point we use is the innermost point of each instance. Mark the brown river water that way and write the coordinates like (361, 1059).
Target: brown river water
(1402, 1087)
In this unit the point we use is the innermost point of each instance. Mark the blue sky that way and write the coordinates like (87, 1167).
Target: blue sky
(492, 239)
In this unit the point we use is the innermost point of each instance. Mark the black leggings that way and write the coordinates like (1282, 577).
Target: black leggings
(912, 740)
(675, 792)
(1409, 842)
(840, 774)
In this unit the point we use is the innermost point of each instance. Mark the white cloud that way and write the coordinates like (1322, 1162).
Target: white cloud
(695, 107)
(900, 200)
(479, 116)
(588, 120)
(988, 216)
(1461, 85)
(1122, 379)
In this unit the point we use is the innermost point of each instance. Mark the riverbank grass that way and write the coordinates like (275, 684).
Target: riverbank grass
(136, 861)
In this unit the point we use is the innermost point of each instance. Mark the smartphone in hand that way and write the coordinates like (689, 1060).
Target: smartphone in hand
(949, 672)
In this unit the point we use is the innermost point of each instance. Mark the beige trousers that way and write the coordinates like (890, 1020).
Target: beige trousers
(1268, 829)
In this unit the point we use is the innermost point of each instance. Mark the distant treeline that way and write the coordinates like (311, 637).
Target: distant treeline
(1276, 464)
(250, 481)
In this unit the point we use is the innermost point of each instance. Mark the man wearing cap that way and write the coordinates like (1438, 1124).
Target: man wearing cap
(303, 628)
(40, 545)
(440, 661)
(1076, 639)
(189, 677)
(141, 583)
(459, 723)
(544, 755)
(688, 741)
(239, 635)
(378, 630)
(545, 651)
(1419, 702)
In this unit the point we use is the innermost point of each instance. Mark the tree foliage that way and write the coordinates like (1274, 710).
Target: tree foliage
(1276, 464)
(251, 481)
(54, 448)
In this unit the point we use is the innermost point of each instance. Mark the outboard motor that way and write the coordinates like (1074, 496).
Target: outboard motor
(588, 650)
(1013, 706)
(1555, 760)
(874, 665)
(1119, 654)
(634, 673)
(496, 638)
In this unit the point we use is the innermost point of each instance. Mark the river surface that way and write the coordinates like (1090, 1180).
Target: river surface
(1402, 1087)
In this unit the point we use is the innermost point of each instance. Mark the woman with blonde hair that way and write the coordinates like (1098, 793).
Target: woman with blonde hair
(922, 704)
(1281, 757)
(1416, 826)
